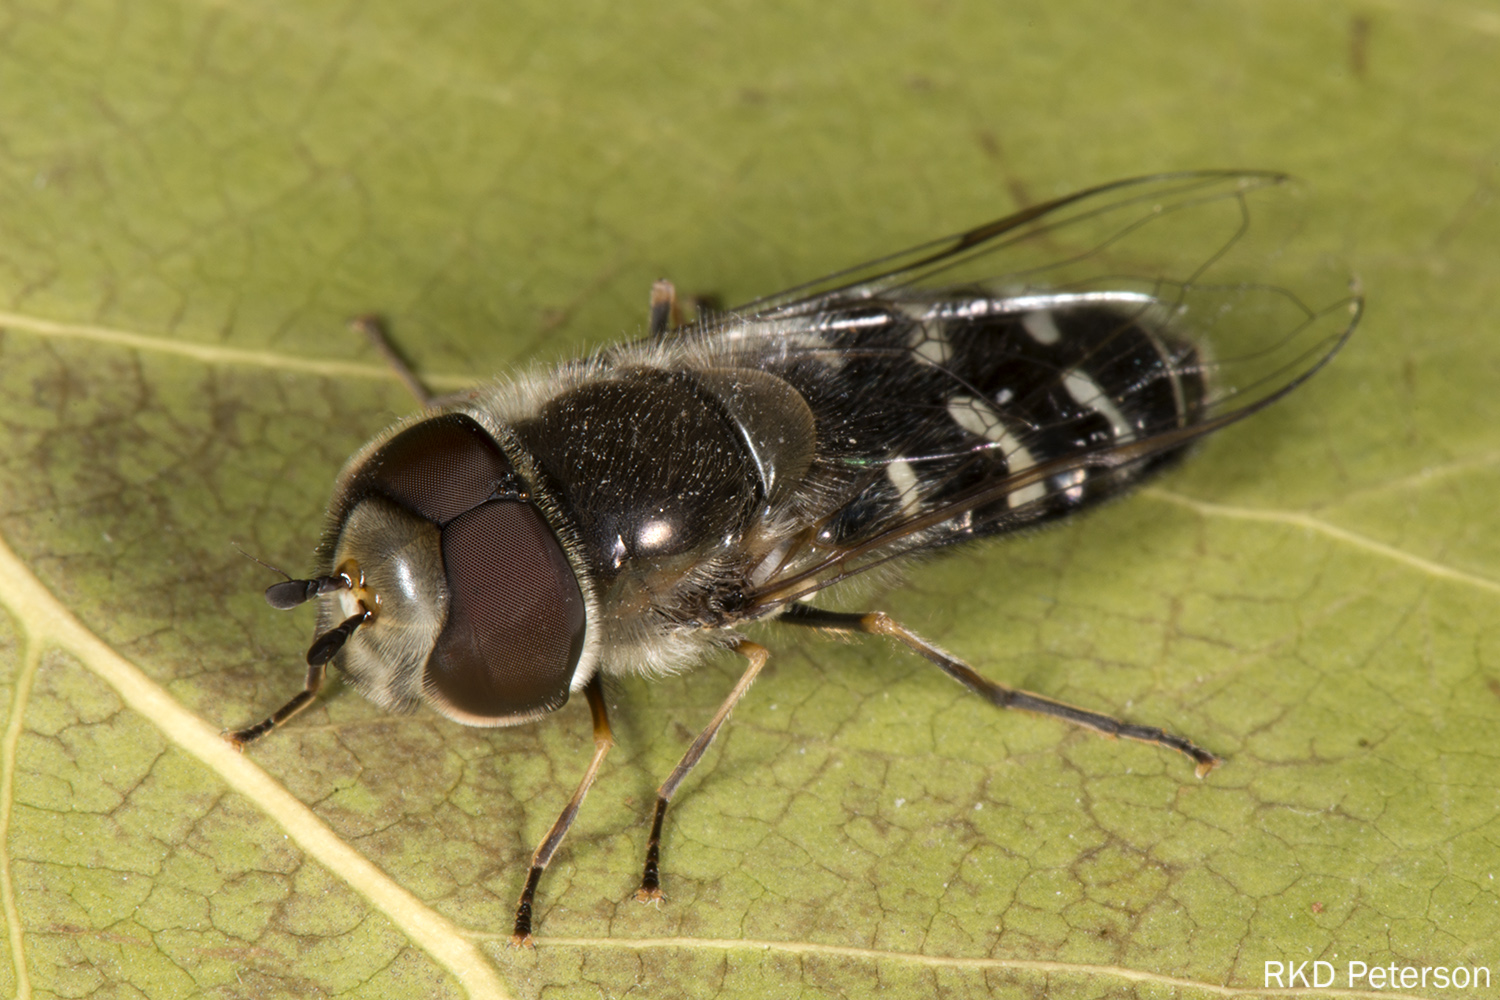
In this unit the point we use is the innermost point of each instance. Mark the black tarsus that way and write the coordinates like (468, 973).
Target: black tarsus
(323, 649)
(241, 738)
(651, 876)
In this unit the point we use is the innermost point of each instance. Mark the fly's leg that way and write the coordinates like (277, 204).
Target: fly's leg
(708, 308)
(650, 890)
(374, 330)
(666, 310)
(603, 740)
(879, 623)
(241, 738)
(289, 594)
(665, 315)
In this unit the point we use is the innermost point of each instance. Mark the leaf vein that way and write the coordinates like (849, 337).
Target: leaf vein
(1307, 522)
(31, 660)
(215, 354)
(951, 962)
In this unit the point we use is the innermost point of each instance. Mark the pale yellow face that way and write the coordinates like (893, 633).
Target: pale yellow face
(395, 561)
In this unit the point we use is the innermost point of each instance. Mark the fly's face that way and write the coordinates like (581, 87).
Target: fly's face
(393, 584)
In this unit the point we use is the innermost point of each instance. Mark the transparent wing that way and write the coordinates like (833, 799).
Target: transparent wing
(1206, 259)
(1080, 225)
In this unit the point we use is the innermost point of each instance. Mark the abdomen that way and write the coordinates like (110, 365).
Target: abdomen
(918, 404)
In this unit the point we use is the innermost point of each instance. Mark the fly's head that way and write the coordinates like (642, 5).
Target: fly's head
(448, 585)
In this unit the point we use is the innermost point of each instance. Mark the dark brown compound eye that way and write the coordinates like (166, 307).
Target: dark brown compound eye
(438, 468)
(515, 619)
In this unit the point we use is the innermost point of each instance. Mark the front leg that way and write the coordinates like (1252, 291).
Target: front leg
(603, 740)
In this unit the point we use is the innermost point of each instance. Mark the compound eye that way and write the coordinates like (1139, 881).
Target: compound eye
(515, 619)
(439, 468)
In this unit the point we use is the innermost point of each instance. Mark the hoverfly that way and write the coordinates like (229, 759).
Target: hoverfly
(628, 511)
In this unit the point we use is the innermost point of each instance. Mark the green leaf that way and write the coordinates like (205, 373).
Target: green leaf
(193, 198)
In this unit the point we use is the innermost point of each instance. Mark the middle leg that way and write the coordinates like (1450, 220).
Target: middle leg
(650, 890)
